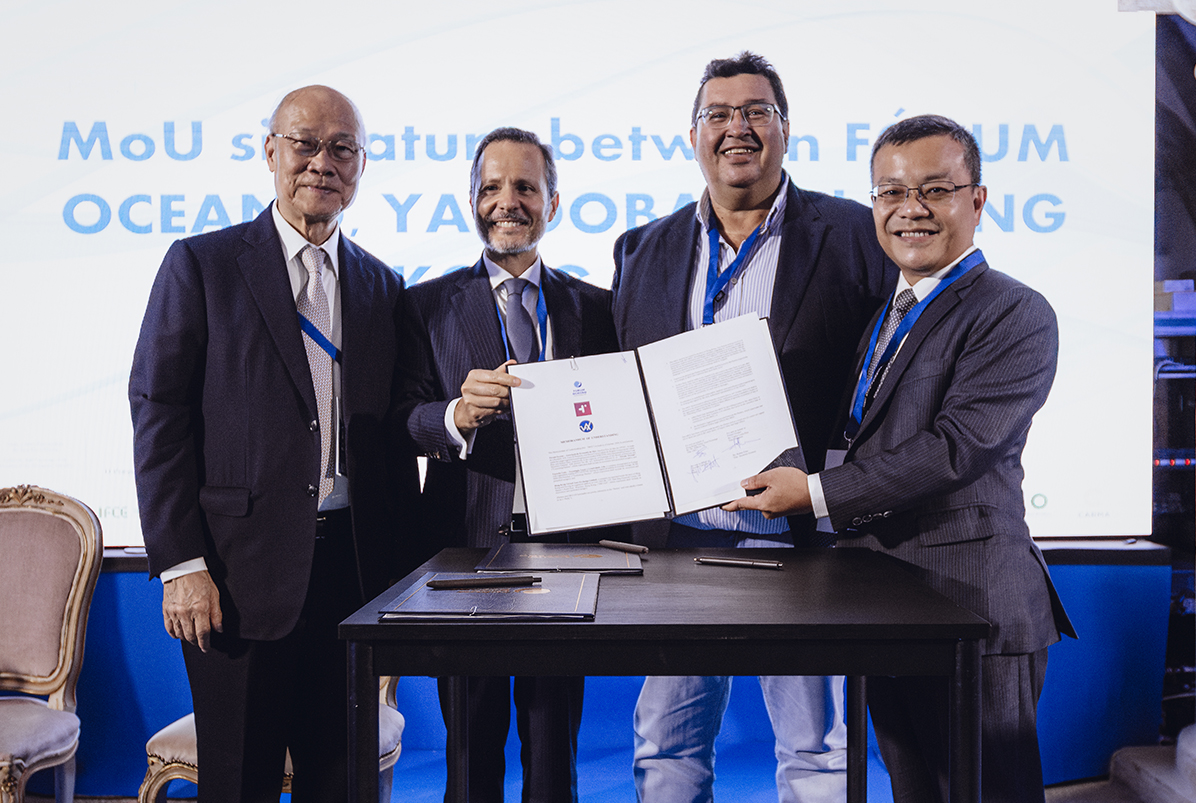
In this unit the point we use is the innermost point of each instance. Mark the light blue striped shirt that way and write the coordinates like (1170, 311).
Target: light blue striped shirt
(749, 291)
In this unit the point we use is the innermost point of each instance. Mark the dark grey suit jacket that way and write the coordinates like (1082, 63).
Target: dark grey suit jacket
(831, 276)
(934, 474)
(456, 328)
(226, 456)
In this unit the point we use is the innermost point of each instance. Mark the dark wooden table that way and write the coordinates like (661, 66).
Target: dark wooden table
(828, 612)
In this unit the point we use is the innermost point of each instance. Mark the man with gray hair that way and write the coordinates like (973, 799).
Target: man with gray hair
(272, 479)
(468, 327)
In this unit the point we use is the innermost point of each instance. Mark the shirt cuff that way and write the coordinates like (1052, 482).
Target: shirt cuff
(817, 500)
(186, 567)
(464, 443)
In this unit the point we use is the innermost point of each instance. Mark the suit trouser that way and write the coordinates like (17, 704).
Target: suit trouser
(254, 699)
(548, 718)
(910, 717)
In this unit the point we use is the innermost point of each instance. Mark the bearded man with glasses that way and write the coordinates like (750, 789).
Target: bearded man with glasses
(755, 243)
(272, 480)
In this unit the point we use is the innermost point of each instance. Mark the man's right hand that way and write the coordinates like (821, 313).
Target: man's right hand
(191, 608)
(484, 395)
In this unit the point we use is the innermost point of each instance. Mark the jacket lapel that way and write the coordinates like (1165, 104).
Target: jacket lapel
(564, 314)
(265, 273)
(927, 322)
(801, 241)
(473, 305)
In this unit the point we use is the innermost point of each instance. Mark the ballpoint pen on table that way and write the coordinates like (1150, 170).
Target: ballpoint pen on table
(743, 562)
(485, 581)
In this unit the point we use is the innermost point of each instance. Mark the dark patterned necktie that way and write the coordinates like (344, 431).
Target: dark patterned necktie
(905, 301)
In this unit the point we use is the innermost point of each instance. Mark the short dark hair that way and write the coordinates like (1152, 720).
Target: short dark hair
(913, 129)
(746, 63)
(509, 134)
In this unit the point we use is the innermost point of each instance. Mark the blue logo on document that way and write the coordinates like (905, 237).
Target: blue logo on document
(586, 426)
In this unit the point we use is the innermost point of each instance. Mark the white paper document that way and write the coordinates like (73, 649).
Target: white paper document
(592, 433)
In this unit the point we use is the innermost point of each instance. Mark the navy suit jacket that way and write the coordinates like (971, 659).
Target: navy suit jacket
(455, 324)
(934, 474)
(831, 276)
(226, 451)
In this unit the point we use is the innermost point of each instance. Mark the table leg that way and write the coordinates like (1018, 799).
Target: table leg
(457, 789)
(363, 725)
(857, 740)
(965, 724)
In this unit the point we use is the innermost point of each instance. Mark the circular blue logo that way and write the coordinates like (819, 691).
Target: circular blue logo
(586, 426)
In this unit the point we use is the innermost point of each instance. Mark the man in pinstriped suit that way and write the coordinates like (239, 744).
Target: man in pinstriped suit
(932, 469)
(466, 335)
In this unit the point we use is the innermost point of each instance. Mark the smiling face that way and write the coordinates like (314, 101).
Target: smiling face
(313, 191)
(742, 165)
(922, 239)
(511, 205)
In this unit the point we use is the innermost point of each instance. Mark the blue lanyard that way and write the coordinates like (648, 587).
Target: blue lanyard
(541, 317)
(716, 282)
(318, 336)
(863, 384)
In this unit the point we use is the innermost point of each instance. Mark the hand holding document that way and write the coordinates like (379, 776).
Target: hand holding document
(668, 429)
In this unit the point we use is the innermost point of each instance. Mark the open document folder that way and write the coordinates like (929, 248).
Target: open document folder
(668, 429)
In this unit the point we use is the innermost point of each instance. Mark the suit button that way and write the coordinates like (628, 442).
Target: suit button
(314, 426)
(312, 490)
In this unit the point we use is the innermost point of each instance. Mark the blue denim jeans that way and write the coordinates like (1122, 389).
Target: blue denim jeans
(678, 718)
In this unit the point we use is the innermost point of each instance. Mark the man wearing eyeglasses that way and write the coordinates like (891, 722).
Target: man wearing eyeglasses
(948, 377)
(755, 243)
(271, 481)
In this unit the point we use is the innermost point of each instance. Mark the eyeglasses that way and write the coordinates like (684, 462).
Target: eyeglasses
(339, 149)
(756, 115)
(932, 193)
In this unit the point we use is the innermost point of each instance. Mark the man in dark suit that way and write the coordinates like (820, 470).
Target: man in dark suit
(755, 243)
(270, 474)
(947, 386)
(470, 325)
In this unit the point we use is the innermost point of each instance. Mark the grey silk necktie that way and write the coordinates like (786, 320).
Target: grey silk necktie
(905, 301)
(520, 332)
(313, 305)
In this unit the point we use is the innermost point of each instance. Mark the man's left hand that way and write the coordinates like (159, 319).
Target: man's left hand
(784, 492)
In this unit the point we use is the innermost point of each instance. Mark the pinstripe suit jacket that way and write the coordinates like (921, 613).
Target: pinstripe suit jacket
(227, 456)
(934, 474)
(456, 330)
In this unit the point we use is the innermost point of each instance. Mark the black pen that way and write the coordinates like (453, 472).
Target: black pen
(753, 564)
(487, 581)
(622, 547)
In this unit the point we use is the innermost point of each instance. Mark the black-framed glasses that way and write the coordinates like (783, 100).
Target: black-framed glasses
(342, 150)
(756, 115)
(930, 193)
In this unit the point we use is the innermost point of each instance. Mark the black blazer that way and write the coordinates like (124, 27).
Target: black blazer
(934, 475)
(831, 276)
(456, 326)
(226, 454)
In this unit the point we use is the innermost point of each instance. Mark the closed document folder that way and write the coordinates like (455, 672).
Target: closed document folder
(572, 595)
(540, 557)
